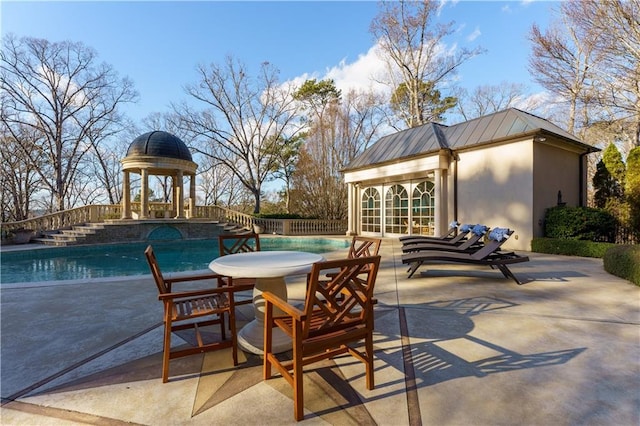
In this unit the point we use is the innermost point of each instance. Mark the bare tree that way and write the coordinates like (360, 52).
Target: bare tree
(59, 92)
(487, 99)
(591, 60)
(613, 26)
(561, 61)
(339, 128)
(219, 186)
(106, 168)
(413, 47)
(358, 124)
(242, 119)
(19, 181)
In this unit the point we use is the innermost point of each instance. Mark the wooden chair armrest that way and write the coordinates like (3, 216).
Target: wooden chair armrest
(292, 311)
(194, 293)
(186, 278)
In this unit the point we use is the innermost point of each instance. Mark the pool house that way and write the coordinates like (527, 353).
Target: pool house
(503, 169)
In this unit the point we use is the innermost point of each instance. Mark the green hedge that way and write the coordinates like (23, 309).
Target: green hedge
(579, 223)
(570, 247)
(623, 261)
(620, 260)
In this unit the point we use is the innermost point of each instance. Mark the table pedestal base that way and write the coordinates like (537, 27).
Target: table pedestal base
(251, 336)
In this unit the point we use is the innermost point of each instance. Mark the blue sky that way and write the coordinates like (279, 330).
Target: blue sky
(159, 44)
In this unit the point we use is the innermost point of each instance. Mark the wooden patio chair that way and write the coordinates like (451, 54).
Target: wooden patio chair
(360, 247)
(240, 243)
(327, 325)
(194, 309)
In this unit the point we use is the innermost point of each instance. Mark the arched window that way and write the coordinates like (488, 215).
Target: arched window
(371, 210)
(423, 208)
(396, 209)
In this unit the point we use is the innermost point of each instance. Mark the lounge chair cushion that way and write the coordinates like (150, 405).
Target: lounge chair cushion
(499, 234)
(479, 229)
(466, 227)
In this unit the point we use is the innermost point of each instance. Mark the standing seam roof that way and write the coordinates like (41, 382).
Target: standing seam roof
(432, 137)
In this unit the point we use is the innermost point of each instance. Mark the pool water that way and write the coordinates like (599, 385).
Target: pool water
(114, 260)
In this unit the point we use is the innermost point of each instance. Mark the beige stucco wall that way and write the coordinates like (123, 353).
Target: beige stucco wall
(495, 188)
(555, 169)
(504, 185)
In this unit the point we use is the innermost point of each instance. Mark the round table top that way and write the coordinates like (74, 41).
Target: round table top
(265, 264)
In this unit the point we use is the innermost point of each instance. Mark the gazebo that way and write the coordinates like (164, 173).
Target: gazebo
(162, 154)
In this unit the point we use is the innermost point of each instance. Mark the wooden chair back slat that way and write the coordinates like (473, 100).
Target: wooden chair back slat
(364, 246)
(346, 297)
(238, 243)
(155, 271)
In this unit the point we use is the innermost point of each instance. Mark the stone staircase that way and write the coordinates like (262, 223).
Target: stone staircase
(113, 232)
(77, 234)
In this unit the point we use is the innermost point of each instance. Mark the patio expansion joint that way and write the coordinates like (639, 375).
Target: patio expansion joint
(78, 364)
(413, 403)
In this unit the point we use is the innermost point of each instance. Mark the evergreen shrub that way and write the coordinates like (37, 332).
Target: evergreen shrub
(570, 247)
(579, 223)
(623, 261)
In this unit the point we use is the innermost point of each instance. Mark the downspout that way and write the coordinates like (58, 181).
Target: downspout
(582, 189)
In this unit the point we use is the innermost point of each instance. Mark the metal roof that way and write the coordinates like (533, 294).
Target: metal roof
(429, 138)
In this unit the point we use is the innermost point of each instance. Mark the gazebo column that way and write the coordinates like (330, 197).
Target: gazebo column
(179, 197)
(192, 197)
(174, 195)
(144, 194)
(126, 196)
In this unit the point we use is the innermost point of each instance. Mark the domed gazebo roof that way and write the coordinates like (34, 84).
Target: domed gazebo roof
(159, 144)
(160, 153)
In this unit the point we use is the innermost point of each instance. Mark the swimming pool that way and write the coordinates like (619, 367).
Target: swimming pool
(115, 260)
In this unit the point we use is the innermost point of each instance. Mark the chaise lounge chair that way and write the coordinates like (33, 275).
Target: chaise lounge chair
(477, 234)
(453, 227)
(489, 255)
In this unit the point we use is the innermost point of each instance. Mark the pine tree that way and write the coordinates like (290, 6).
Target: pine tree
(613, 161)
(605, 185)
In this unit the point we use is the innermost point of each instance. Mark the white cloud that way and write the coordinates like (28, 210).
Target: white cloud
(506, 8)
(357, 75)
(474, 35)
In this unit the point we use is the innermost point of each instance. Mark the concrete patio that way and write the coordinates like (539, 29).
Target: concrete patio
(455, 345)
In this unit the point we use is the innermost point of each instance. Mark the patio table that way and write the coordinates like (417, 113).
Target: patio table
(270, 269)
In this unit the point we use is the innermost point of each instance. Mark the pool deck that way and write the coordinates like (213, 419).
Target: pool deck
(455, 345)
